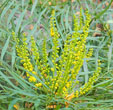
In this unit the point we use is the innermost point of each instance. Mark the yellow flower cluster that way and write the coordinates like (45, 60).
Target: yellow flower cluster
(92, 79)
(59, 74)
(72, 58)
(52, 24)
(23, 53)
(34, 50)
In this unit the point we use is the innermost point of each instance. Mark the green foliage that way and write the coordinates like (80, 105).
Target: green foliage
(59, 78)
(17, 16)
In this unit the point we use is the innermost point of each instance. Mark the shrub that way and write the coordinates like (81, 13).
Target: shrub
(56, 72)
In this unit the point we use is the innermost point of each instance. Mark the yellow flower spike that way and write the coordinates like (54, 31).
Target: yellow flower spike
(52, 32)
(55, 34)
(52, 24)
(81, 19)
(44, 64)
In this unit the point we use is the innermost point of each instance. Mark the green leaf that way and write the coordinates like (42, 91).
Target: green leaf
(104, 83)
(5, 48)
(102, 12)
(8, 81)
(34, 6)
(13, 56)
(35, 26)
(12, 14)
(67, 18)
(19, 21)
(6, 9)
(110, 56)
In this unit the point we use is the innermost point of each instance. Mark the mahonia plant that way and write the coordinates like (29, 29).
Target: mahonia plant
(60, 76)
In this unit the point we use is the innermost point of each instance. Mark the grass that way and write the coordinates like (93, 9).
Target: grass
(33, 18)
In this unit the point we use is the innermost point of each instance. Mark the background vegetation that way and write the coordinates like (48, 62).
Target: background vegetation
(33, 18)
